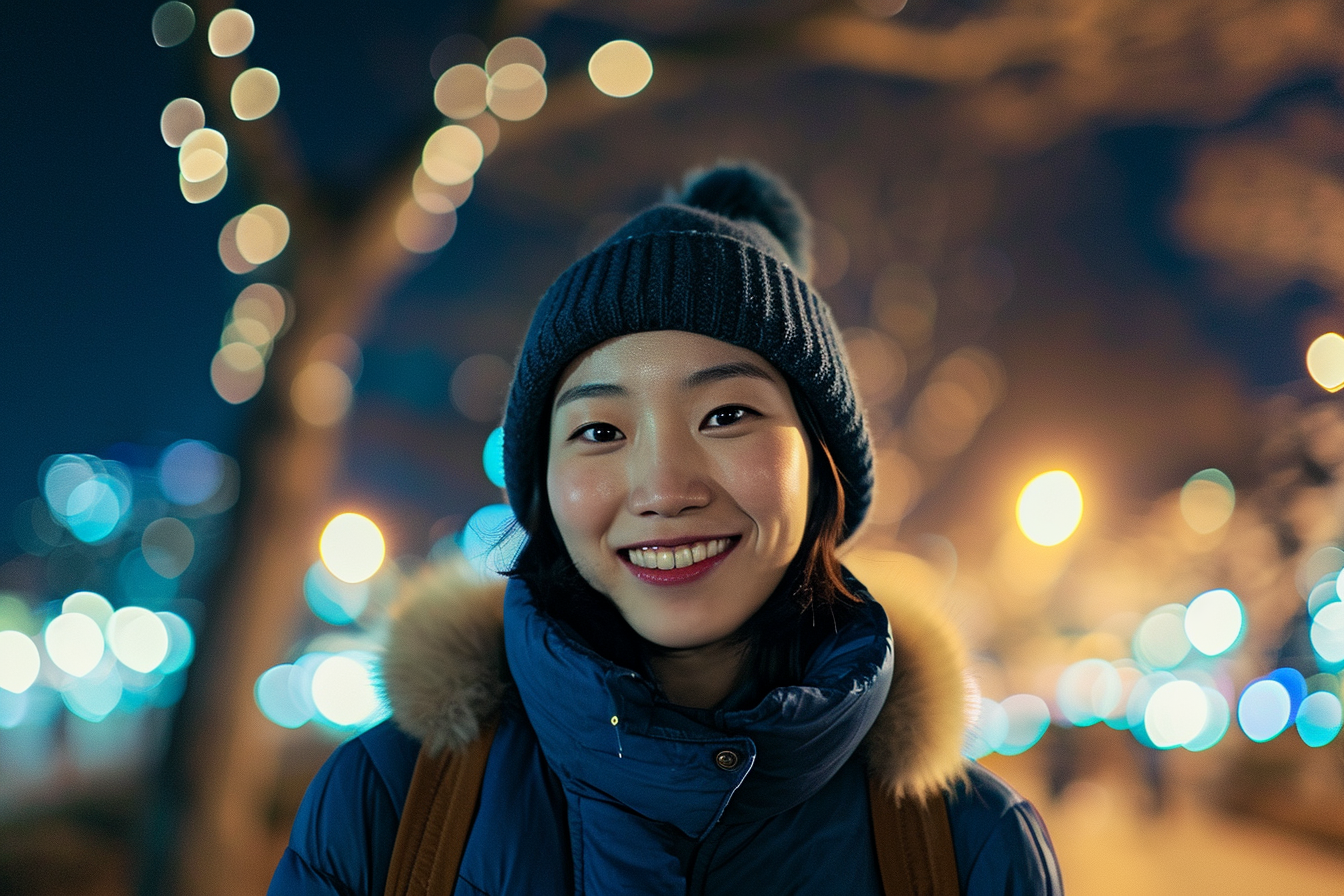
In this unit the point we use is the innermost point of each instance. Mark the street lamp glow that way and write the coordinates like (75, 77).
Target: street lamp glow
(1050, 508)
(352, 547)
(1325, 361)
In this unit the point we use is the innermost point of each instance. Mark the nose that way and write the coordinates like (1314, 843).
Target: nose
(667, 476)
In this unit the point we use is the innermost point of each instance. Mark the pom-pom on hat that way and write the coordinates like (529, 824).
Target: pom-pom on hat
(725, 259)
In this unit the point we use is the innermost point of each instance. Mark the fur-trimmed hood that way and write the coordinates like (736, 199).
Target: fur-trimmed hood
(444, 674)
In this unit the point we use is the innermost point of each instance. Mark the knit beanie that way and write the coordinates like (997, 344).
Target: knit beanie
(725, 259)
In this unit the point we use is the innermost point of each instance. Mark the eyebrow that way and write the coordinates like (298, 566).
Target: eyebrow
(717, 373)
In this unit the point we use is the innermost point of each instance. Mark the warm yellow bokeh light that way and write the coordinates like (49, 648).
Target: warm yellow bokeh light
(515, 50)
(261, 302)
(423, 232)
(202, 154)
(263, 233)
(436, 198)
(231, 32)
(453, 154)
(321, 393)
(352, 547)
(254, 93)
(1050, 508)
(180, 117)
(620, 68)
(1325, 361)
(516, 92)
(228, 248)
(203, 191)
(485, 126)
(237, 372)
(460, 91)
(1207, 501)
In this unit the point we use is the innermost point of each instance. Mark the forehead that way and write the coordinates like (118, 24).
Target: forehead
(660, 356)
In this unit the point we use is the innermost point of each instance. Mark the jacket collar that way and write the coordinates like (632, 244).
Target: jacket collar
(444, 673)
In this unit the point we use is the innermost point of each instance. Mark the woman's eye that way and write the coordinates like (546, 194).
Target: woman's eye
(727, 416)
(597, 432)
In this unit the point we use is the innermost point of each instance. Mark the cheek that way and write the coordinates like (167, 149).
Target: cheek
(583, 498)
(775, 484)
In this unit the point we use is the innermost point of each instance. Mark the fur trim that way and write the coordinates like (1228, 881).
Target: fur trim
(915, 743)
(444, 671)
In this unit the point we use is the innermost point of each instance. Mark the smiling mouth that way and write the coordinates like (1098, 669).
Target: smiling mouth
(679, 557)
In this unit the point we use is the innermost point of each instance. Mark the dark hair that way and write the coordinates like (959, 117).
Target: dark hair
(813, 598)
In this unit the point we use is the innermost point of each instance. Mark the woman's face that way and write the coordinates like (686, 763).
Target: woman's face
(678, 475)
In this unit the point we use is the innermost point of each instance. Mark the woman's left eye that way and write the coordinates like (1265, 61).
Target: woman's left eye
(727, 416)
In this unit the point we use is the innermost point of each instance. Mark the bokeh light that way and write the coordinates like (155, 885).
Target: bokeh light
(343, 689)
(486, 127)
(262, 234)
(620, 68)
(89, 603)
(321, 393)
(179, 118)
(74, 642)
(1176, 714)
(437, 198)
(231, 32)
(202, 154)
(229, 255)
(423, 232)
(95, 697)
(1160, 641)
(1050, 508)
(197, 192)
(460, 92)
(1207, 501)
(263, 303)
(1136, 707)
(1319, 719)
(1213, 621)
(882, 8)
(1325, 361)
(1264, 710)
(492, 539)
(181, 643)
(19, 661)
(515, 51)
(190, 472)
(352, 547)
(138, 638)
(284, 695)
(1088, 691)
(1327, 633)
(479, 386)
(1028, 719)
(1294, 683)
(237, 372)
(1218, 720)
(173, 23)
(168, 546)
(516, 92)
(492, 456)
(331, 599)
(988, 732)
(453, 154)
(254, 93)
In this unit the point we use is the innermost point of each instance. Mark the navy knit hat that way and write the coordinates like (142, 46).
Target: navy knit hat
(726, 259)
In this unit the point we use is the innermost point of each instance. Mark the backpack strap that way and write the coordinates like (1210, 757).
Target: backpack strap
(913, 836)
(436, 820)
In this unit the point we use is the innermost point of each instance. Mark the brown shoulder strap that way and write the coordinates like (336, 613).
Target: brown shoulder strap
(440, 808)
(914, 844)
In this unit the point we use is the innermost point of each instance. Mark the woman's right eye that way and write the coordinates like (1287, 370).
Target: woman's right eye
(597, 432)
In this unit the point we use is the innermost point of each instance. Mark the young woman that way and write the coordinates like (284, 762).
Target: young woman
(687, 692)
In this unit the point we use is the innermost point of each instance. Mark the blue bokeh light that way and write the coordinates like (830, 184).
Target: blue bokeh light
(493, 457)
(1264, 710)
(190, 472)
(1319, 719)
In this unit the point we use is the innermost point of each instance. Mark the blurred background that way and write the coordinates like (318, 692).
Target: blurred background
(266, 269)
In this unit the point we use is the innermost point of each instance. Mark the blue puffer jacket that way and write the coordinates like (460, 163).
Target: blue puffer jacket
(596, 785)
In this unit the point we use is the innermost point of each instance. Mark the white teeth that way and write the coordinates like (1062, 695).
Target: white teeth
(678, 557)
